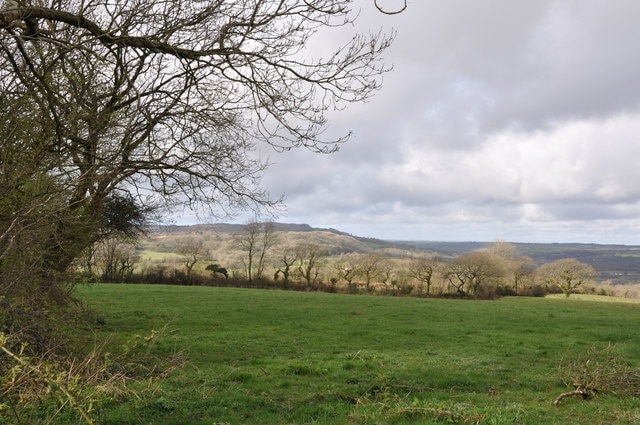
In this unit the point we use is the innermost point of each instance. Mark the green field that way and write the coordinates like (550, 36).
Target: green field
(276, 357)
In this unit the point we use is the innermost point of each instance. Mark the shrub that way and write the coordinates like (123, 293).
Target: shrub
(42, 388)
(598, 370)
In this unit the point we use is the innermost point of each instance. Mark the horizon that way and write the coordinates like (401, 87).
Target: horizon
(399, 240)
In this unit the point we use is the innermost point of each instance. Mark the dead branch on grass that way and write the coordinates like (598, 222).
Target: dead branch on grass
(598, 370)
(578, 392)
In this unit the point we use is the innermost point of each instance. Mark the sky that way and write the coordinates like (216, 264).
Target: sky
(514, 120)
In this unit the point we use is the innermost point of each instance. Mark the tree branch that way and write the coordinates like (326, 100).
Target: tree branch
(578, 392)
(8, 18)
(386, 12)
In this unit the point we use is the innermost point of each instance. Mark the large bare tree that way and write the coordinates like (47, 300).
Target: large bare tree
(165, 100)
(111, 108)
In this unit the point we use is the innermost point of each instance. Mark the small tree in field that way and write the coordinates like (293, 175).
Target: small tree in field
(268, 240)
(347, 270)
(309, 263)
(568, 274)
(369, 267)
(423, 270)
(287, 259)
(192, 251)
(256, 240)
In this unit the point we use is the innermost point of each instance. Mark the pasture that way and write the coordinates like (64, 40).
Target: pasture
(277, 357)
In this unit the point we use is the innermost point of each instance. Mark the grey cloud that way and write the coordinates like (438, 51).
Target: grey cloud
(500, 118)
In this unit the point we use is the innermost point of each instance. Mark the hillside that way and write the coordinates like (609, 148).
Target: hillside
(222, 246)
(619, 263)
(331, 241)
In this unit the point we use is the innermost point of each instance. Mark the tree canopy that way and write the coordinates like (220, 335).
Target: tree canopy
(567, 274)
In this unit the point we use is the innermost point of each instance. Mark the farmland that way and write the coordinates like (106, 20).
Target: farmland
(278, 357)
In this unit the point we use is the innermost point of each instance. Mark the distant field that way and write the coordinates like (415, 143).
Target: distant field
(597, 298)
(277, 357)
(160, 256)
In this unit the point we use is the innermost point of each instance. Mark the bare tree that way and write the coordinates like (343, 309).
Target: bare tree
(386, 271)
(248, 242)
(309, 262)
(165, 100)
(287, 259)
(369, 266)
(191, 250)
(116, 258)
(567, 274)
(268, 240)
(474, 272)
(345, 272)
(256, 240)
(347, 269)
(423, 269)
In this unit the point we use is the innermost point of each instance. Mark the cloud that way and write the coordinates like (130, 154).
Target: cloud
(501, 120)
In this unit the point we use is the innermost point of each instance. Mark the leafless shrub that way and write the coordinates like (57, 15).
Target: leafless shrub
(598, 370)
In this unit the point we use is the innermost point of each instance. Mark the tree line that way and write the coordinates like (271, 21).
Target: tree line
(268, 259)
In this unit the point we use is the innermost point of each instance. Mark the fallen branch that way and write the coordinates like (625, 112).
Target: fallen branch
(576, 392)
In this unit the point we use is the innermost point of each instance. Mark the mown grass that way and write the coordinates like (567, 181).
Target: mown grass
(276, 357)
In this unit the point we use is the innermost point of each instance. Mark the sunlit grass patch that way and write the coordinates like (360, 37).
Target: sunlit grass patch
(591, 297)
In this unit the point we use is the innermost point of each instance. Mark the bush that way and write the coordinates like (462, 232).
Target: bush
(505, 291)
(535, 291)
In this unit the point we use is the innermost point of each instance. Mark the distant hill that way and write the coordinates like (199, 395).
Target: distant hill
(619, 263)
(222, 246)
(349, 242)
(236, 228)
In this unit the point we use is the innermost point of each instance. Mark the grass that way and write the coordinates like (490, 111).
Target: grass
(276, 357)
(601, 298)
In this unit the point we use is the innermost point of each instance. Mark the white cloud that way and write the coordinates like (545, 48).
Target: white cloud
(501, 120)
